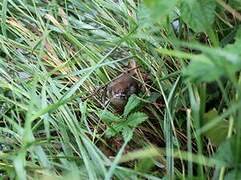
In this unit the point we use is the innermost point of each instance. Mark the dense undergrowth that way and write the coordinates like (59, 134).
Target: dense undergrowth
(56, 57)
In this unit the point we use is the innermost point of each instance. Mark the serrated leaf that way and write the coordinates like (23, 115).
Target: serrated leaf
(113, 130)
(132, 122)
(110, 132)
(199, 15)
(108, 117)
(127, 133)
(132, 103)
(135, 119)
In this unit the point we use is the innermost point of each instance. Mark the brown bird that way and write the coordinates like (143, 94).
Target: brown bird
(121, 88)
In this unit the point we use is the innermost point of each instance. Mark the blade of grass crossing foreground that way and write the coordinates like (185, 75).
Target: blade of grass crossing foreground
(168, 134)
(115, 162)
(170, 112)
(189, 143)
(195, 105)
(4, 17)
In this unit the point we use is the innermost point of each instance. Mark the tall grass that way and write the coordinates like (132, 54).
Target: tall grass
(56, 57)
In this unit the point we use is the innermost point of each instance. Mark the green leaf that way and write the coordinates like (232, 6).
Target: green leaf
(114, 129)
(235, 4)
(136, 118)
(219, 133)
(227, 151)
(236, 46)
(159, 9)
(109, 117)
(110, 132)
(202, 69)
(132, 103)
(233, 174)
(153, 97)
(145, 165)
(83, 110)
(215, 62)
(126, 126)
(154, 11)
(199, 15)
(127, 133)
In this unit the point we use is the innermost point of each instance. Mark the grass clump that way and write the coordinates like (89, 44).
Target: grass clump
(57, 57)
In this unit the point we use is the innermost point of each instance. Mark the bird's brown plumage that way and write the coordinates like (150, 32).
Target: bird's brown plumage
(120, 89)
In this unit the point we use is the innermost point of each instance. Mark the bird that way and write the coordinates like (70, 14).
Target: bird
(121, 88)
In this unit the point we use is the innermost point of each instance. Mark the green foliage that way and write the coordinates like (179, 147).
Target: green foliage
(136, 118)
(108, 117)
(236, 4)
(126, 123)
(132, 103)
(220, 132)
(56, 55)
(145, 165)
(199, 15)
(215, 63)
(159, 9)
(227, 151)
(233, 174)
(202, 69)
(155, 11)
